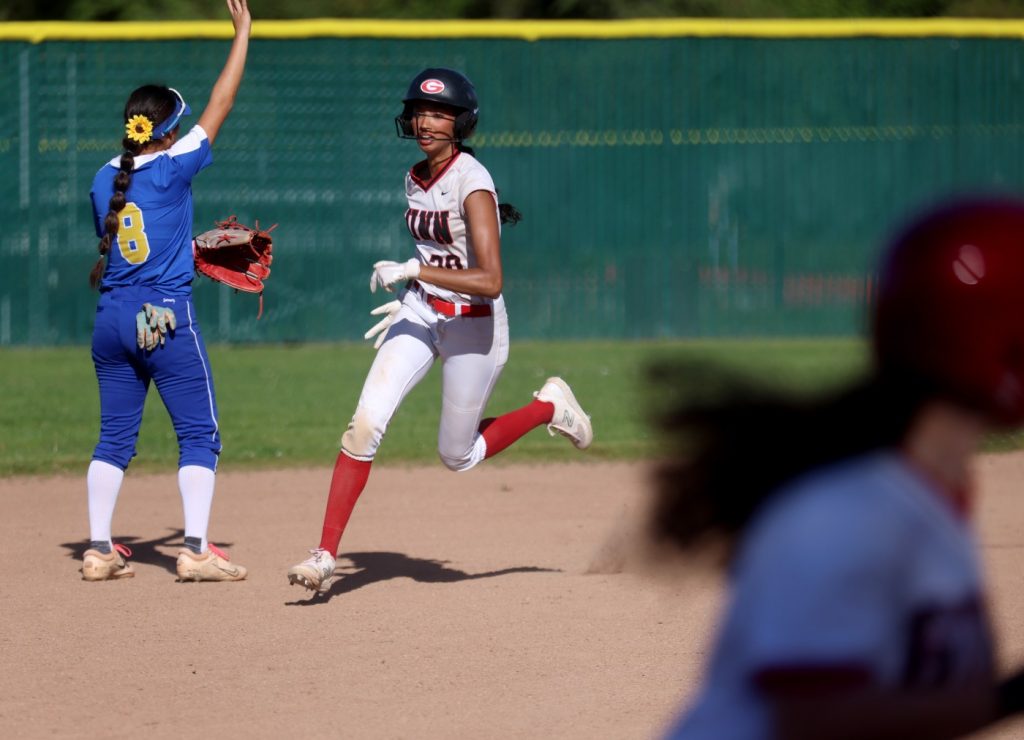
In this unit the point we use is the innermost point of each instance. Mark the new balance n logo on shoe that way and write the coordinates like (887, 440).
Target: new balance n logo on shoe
(568, 419)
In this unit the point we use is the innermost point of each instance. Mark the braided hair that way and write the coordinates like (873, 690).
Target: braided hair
(156, 103)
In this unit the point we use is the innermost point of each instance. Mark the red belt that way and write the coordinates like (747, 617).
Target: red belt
(448, 308)
(472, 310)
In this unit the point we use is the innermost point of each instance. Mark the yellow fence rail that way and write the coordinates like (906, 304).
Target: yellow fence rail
(527, 30)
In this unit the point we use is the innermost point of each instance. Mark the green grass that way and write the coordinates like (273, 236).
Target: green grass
(288, 405)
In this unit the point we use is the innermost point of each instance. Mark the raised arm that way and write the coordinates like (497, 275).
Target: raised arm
(222, 97)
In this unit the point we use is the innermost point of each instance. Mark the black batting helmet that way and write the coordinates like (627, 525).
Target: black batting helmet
(446, 86)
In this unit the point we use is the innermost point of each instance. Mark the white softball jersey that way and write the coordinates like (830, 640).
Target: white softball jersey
(858, 565)
(473, 349)
(436, 218)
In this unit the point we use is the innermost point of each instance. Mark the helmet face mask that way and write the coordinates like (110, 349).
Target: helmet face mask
(950, 307)
(443, 87)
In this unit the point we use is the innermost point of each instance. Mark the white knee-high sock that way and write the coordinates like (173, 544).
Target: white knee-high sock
(103, 482)
(196, 485)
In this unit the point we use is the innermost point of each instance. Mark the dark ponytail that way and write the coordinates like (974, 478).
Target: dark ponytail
(156, 103)
(728, 456)
(111, 222)
(507, 212)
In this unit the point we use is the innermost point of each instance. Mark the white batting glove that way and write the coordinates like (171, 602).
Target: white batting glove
(390, 310)
(386, 273)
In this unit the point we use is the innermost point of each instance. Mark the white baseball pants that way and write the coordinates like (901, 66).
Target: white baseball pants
(473, 352)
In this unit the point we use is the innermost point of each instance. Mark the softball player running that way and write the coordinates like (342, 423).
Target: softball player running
(857, 606)
(145, 322)
(449, 308)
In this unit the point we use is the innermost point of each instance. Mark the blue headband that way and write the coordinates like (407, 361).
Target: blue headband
(180, 109)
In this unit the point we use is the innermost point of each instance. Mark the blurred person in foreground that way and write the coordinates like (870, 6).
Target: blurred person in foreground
(857, 608)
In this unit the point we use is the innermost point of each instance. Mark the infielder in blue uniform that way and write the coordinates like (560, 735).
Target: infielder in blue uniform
(146, 326)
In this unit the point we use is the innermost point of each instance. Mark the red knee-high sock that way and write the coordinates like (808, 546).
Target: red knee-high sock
(347, 482)
(499, 433)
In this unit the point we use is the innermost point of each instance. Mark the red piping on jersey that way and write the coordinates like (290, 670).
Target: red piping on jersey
(810, 679)
(425, 185)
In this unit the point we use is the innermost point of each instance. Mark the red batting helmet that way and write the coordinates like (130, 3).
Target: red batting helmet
(950, 306)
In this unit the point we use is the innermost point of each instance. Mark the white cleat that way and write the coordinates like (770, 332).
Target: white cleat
(314, 572)
(212, 565)
(112, 566)
(569, 419)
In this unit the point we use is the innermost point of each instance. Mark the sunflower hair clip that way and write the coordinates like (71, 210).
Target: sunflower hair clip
(139, 129)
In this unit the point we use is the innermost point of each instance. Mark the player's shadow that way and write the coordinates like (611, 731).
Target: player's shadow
(374, 567)
(143, 551)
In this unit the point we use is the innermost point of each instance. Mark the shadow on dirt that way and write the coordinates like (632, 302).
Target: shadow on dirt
(374, 567)
(144, 551)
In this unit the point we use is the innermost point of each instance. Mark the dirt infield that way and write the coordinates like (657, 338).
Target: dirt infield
(500, 603)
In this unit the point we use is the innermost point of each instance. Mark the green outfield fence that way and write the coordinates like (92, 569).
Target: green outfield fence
(677, 178)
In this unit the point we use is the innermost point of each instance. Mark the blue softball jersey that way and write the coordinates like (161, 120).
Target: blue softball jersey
(151, 261)
(860, 565)
(153, 247)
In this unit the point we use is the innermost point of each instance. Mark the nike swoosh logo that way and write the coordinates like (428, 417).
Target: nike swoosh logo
(445, 192)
